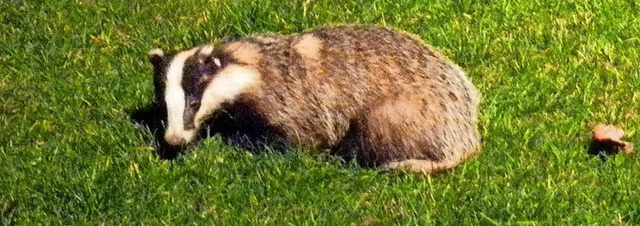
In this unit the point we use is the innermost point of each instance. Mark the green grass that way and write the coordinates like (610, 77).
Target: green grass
(72, 72)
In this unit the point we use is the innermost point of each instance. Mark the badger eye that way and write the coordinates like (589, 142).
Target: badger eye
(192, 104)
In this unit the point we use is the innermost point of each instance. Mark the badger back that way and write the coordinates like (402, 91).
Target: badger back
(316, 83)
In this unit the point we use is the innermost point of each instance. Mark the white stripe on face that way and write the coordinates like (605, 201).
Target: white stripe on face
(232, 81)
(206, 50)
(174, 97)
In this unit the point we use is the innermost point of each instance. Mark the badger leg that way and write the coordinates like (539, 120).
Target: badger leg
(418, 135)
(419, 166)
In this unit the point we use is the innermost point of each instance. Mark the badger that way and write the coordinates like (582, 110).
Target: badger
(370, 93)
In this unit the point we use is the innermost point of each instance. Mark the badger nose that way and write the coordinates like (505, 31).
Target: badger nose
(176, 141)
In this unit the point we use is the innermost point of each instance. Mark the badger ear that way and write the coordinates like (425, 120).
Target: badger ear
(156, 57)
(216, 62)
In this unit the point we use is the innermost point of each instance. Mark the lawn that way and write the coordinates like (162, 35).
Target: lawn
(73, 74)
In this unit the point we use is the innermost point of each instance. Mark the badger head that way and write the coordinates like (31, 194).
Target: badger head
(192, 85)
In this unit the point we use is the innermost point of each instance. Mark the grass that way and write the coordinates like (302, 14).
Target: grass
(72, 73)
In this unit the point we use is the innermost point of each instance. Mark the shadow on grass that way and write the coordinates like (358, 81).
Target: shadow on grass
(151, 118)
(253, 136)
(603, 150)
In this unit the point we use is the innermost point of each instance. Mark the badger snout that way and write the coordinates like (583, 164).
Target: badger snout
(179, 139)
(175, 141)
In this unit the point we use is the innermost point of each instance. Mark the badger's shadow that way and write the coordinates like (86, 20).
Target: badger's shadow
(252, 136)
(150, 119)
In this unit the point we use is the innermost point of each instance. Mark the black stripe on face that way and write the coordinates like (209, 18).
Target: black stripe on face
(190, 110)
(197, 73)
(192, 95)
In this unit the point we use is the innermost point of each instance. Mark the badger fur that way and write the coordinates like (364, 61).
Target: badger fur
(369, 93)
